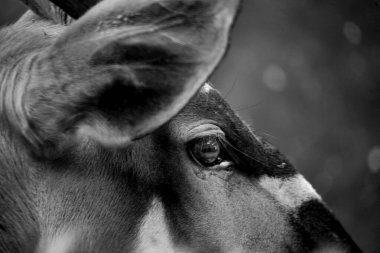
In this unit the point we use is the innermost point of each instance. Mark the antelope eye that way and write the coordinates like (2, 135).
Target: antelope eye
(206, 150)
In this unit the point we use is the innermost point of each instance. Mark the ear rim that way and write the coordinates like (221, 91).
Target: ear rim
(37, 7)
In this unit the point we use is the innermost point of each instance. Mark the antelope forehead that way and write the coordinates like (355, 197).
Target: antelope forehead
(290, 192)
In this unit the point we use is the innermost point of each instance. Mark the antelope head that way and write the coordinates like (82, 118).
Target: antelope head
(112, 142)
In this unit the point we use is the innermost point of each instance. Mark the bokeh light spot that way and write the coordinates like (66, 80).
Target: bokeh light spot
(274, 77)
(374, 160)
(352, 32)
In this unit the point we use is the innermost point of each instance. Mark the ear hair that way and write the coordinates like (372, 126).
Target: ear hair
(49, 10)
(75, 8)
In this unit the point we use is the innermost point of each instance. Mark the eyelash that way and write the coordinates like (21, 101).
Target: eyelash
(196, 147)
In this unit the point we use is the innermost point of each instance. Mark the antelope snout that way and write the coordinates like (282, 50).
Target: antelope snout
(319, 231)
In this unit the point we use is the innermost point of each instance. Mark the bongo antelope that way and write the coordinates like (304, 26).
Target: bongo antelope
(111, 142)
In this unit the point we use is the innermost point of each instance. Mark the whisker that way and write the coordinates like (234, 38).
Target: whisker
(231, 88)
(249, 107)
(269, 135)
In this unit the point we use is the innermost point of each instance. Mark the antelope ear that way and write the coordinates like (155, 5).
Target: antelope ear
(127, 67)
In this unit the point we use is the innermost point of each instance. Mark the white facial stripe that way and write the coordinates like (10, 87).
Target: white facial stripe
(289, 192)
(154, 234)
(60, 243)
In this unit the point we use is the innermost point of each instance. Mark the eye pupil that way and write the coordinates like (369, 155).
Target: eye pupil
(206, 150)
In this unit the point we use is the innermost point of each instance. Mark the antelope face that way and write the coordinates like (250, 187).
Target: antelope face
(225, 189)
(110, 143)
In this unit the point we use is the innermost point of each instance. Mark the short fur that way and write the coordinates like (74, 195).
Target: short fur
(98, 118)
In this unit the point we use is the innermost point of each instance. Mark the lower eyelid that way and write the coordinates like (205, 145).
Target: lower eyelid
(225, 165)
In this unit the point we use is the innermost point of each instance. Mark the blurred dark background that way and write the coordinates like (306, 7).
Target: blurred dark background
(306, 75)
